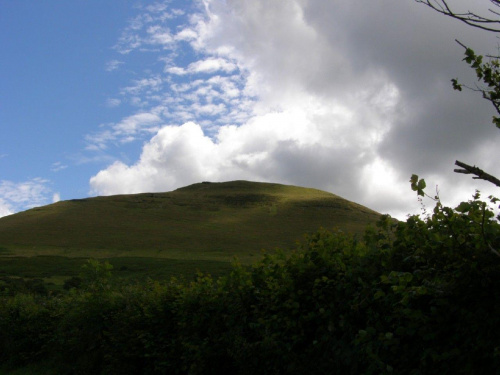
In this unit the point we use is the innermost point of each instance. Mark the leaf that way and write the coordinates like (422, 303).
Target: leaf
(456, 85)
(421, 184)
(463, 207)
(413, 178)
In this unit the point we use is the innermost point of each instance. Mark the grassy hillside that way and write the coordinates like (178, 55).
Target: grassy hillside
(211, 222)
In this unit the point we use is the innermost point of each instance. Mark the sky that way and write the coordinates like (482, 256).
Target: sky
(129, 96)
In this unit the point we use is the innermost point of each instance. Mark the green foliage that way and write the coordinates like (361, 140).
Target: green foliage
(73, 282)
(14, 285)
(26, 324)
(417, 185)
(487, 72)
(96, 275)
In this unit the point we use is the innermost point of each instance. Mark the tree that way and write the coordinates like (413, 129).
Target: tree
(487, 72)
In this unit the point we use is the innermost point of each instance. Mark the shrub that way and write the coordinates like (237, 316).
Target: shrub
(26, 326)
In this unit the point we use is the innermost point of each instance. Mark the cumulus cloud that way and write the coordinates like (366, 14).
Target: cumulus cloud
(293, 146)
(348, 97)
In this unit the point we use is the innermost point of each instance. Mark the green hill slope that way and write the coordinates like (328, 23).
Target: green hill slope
(199, 226)
(202, 221)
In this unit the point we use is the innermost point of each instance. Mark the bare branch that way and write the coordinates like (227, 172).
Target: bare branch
(470, 18)
(479, 173)
(460, 43)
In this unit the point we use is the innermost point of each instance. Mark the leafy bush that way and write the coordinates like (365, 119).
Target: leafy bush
(26, 328)
(14, 285)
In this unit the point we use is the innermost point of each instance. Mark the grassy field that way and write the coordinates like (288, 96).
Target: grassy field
(158, 235)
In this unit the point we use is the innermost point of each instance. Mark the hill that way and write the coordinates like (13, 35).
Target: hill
(204, 222)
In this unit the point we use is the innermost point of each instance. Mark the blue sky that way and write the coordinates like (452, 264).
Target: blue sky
(113, 97)
(54, 86)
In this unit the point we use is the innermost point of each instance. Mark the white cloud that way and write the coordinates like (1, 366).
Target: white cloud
(113, 65)
(18, 196)
(212, 65)
(324, 94)
(290, 146)
(159, 35)
(186, 34)
(113, 102)
(146, 30)
(56, 197)
(144, 86)
(58, 166)
(178, 12)
(176, 70)
(297, 135)
(137, 122)
(125, 131)
(5, 209)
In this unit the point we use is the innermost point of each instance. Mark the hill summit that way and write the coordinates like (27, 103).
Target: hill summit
(208, 220)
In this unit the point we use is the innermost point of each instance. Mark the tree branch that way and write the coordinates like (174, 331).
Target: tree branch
(470, 18)
(479, 173)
